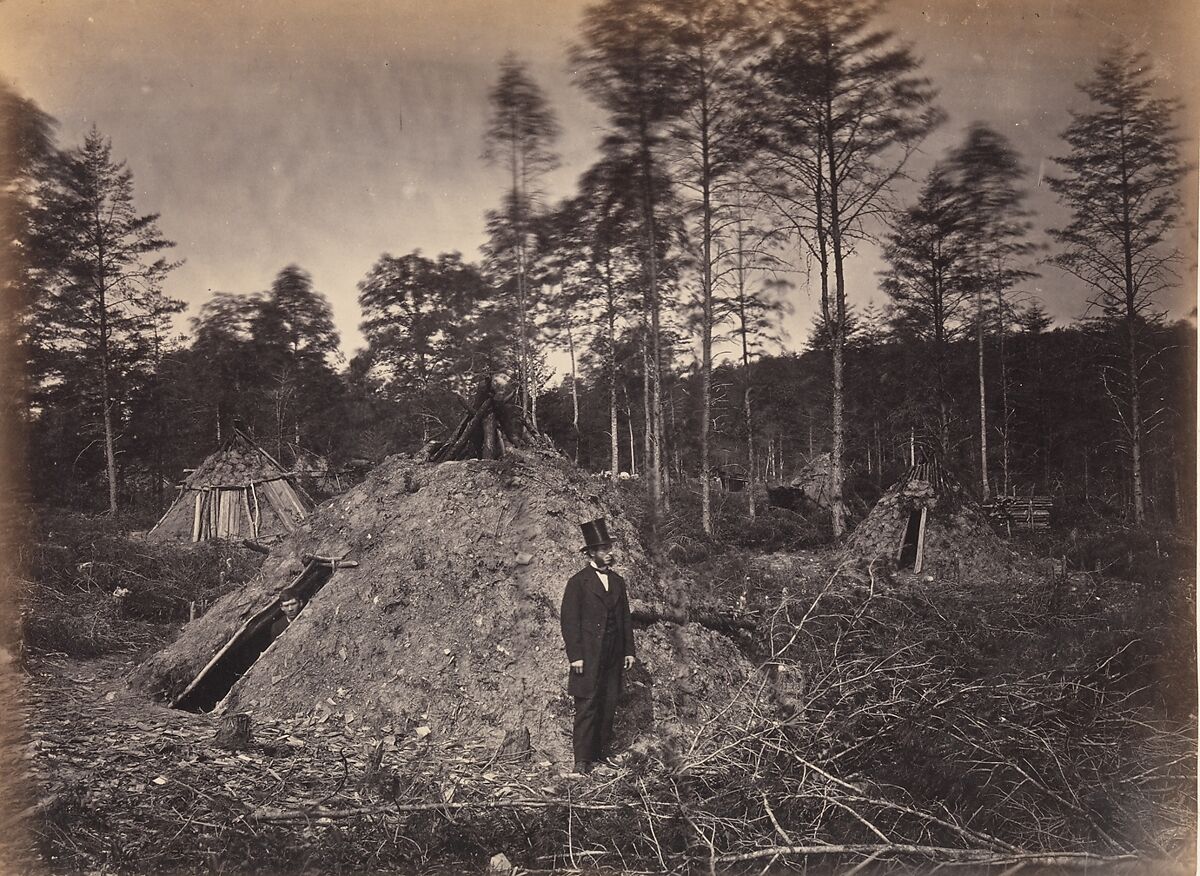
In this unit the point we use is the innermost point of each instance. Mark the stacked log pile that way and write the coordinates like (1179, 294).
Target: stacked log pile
(493, 423)
(1020, 512)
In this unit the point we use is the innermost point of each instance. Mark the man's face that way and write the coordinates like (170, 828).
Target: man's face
(291, 608)
(605, 555)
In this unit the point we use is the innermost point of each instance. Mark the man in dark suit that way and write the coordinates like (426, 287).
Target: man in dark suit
(598, 633)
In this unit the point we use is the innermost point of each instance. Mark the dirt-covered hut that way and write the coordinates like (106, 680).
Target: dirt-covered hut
(927, 523)
(433, 595)
(238, 492)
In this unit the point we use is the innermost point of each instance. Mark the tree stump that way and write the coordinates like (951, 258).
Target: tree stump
(234, 733)
(516, 747)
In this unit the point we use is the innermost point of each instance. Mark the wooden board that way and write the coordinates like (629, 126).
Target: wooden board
(920, 543)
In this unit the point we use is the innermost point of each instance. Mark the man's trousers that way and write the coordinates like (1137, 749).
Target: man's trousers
(594, 715)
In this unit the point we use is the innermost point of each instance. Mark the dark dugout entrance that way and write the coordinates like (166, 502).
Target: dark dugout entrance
(912, 543)
(242, 651)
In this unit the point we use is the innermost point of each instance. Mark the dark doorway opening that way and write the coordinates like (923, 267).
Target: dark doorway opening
(242, 651)
(913, 543)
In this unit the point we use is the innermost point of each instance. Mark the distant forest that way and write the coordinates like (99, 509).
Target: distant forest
(638, 316)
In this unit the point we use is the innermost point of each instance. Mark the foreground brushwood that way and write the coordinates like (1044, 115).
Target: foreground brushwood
(908, 722)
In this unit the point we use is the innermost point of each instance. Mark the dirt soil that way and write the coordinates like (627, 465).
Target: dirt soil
(450, 618)
(123, 785)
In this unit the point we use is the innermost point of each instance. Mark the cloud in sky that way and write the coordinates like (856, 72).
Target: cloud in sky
(328, 133)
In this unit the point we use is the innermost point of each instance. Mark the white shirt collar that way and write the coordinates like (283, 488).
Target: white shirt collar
(602, 573)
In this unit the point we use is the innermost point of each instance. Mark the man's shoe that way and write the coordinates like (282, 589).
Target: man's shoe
(582, 768)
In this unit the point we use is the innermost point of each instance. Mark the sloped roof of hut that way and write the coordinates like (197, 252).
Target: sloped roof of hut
(238, 492)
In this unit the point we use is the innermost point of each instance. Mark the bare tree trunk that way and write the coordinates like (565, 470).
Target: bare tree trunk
(653, 464)
(533, 394)
(610, 320)
(1135, 429)
(574, 382)
(747, 388)
(706, 292)
(983, 448)
(665, 473)
(633, 470)
(110, 453)
(110, 456)
(1005, 414)
(648, 424)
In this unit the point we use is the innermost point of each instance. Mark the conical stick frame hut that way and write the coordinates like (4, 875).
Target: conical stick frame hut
(239, 492)
(927, 523)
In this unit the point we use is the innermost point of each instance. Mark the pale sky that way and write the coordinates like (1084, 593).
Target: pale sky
(325, 134)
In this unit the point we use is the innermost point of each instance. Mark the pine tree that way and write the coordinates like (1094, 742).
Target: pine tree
(105, 295)
(1121, 183)
(988, 173)
(520, 136)
(845, 107)
(29, 162)
(626, 67)
(294, 339)
(927, 279)
(706, 146)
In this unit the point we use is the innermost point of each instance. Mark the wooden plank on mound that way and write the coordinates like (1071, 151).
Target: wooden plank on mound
(196, 517)
(920, 543)
(252, 625)
(248, 529)
(256, 520)
(270, 491)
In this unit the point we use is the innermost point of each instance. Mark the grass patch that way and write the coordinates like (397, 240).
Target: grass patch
(90, 589)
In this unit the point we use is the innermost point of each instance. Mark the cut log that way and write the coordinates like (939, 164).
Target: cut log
(713, 619)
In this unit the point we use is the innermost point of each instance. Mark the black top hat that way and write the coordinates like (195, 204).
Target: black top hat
(595, 534)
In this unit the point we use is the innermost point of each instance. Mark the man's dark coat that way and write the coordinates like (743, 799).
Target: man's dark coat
(584, 613)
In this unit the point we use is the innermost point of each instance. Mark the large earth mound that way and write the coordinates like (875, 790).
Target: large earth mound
(450, 617)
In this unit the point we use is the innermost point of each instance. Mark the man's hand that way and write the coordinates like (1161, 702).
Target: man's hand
(628, 661)
(577, 667)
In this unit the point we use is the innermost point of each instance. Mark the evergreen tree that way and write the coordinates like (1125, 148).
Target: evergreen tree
(29, 163)
(626, 64)
(105, 294)
(927, 280)
(706, 145)
(520, 136)
(294, 338)
(988, 174)
(1120, 181)
(845, 108)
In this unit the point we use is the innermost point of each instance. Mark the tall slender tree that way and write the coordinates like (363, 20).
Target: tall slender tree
(626, 65)
(1121, 181)
(927, 280)
(847, 108)
(107, 286)
(706, 146)
(988, 174)
(520, 136)
(755, 305)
